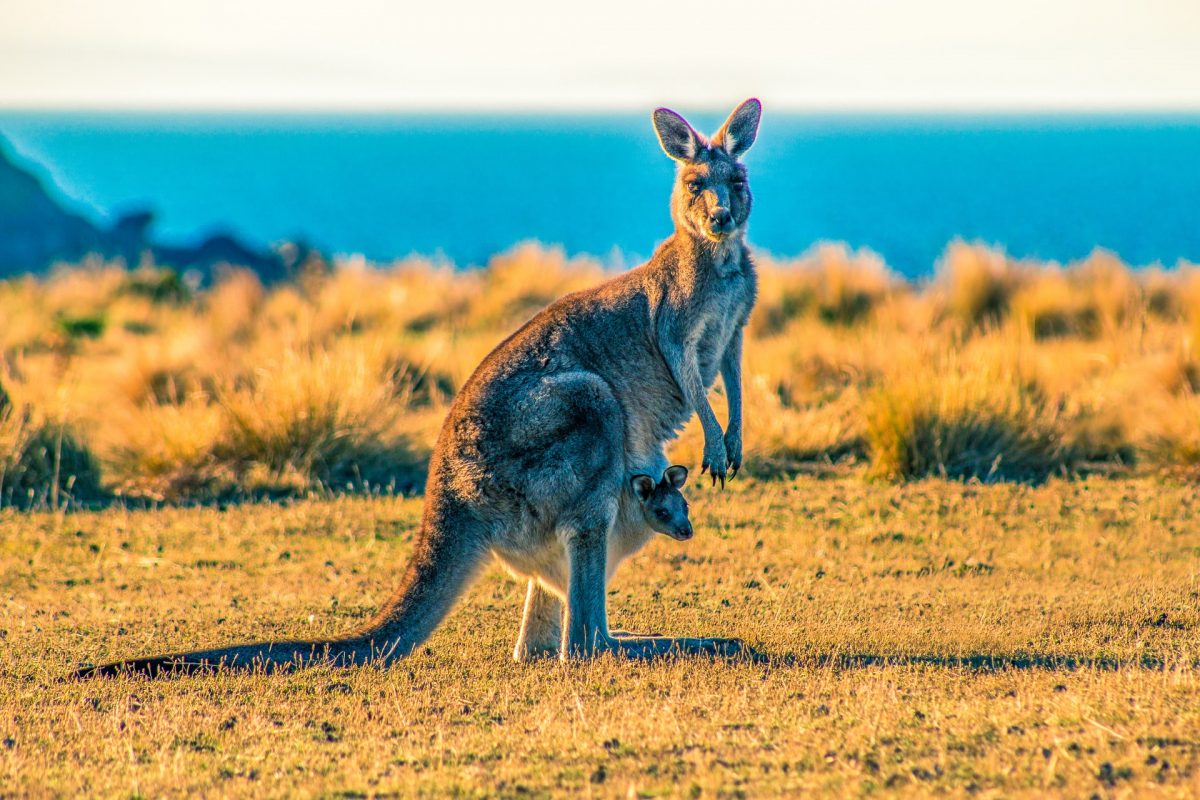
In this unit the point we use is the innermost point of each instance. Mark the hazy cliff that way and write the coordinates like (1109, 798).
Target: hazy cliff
(37, 230)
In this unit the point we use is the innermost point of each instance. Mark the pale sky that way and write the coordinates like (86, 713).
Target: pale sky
(619, 54)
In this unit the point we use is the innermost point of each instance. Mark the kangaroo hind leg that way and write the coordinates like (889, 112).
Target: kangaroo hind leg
(541, 625)
(585, 628)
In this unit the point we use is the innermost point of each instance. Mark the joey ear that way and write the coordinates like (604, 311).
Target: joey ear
(741, 129)
(643, 486)
(676, 476)
(676, 136)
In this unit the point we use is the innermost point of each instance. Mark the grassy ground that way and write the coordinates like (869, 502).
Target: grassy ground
(932, 637)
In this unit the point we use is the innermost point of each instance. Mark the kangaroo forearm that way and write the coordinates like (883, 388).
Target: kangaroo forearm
(681, 361)
(731, 375)
(698, 398)
(733, 393)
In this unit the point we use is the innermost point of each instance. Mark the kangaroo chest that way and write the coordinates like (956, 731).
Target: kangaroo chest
(720, 310)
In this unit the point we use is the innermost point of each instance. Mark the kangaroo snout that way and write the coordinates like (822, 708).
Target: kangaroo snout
(683, 532)
(720, 221)
(720, 217)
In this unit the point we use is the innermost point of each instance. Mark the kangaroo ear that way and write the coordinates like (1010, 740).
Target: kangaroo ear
(676, 476)
(677, 138)
(741, 129)
(643, 486)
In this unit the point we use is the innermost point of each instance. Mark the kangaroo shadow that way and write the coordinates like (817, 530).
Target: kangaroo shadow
(973, 662)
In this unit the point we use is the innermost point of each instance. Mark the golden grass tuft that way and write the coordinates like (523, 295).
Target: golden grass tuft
(519, 283)
(1171, 437)
(974, 285)
(830, 283)
(982, 423)
(167, 452)
(231, 305)
(315, 418)
(43, 463)
(1095, 297)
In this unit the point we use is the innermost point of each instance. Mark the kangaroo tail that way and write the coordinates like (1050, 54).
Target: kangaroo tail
(440, 570)
(266, 656)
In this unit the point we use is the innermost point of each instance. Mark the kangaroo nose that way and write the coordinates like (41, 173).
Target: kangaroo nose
(719, 218)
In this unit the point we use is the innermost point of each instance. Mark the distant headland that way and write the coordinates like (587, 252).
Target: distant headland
(37, 231)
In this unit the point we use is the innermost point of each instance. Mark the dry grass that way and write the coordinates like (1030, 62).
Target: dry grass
(340, 379)
(979, 422)
(932, 638)
(1172, 434)
(42, 463)
(829, 283)
(1097, 297)
(323, 418)
(974, 285)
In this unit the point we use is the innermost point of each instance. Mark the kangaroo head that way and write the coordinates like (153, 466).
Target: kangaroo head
(711, 199)
(663, 506)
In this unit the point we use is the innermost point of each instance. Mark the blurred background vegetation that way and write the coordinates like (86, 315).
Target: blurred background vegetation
(131, 384)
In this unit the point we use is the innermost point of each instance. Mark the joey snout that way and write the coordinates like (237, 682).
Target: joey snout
(681, 533)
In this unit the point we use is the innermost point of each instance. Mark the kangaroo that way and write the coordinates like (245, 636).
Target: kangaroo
(535, 462)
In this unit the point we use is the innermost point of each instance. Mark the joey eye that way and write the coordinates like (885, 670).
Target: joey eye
(739, 183)
(693, 187)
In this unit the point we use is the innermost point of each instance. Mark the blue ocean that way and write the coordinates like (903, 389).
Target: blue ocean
(462, 187)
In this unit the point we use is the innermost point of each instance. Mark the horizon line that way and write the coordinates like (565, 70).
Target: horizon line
(593, 110)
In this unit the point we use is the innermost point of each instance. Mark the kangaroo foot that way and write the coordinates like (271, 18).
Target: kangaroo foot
(650, 647)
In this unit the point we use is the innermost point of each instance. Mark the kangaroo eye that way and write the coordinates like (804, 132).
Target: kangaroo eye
(693, 187)
(739, 183)
(662, 514)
